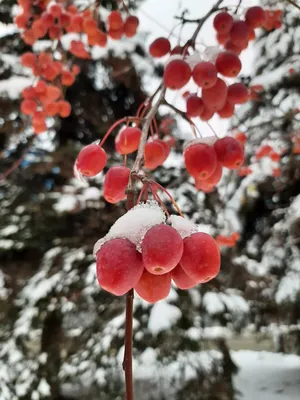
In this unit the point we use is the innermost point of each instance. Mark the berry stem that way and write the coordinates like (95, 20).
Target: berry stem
(126, 120)
(127, 361)
(148, 120)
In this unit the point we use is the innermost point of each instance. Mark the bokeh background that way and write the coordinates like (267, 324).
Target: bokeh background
(61, 336)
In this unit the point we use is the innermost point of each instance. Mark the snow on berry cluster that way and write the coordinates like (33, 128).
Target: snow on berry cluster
(51, 20)
(145, 252)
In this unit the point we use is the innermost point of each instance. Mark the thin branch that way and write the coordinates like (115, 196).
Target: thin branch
(293, 3)
(238, 6)
(18, 162)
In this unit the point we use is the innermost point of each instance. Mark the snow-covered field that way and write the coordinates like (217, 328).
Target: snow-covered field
(267, 376)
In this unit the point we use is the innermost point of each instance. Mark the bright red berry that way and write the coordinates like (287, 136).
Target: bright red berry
(115, 184)
(200, 160)
(237, 93)
(214, 178)
(239, 32)
(153, 288)
(230, 152)
(160, 47)
(255, 17)
(227, 111)
(119, 266)
(201, 257)
(205, 74)
(177, 74)
(194, 106)
(115, 20)
(154, 154)
(228, 64)
(91, 160)
(127, 140)
(162, 249)
(215, 98)
(223, 22)
(181, 279)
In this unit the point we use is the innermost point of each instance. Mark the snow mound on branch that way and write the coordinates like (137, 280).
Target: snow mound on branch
(134, 224)
(183, 226)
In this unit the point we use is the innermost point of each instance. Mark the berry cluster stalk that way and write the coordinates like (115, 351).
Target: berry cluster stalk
(127, 361)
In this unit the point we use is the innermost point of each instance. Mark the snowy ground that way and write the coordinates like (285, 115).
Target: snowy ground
(267, 376)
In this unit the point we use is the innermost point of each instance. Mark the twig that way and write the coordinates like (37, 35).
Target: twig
(18, 162)
(238, 6)
(293, 3)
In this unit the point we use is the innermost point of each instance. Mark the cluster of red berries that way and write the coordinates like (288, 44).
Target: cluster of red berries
(45, 99)
(41, 101)
(92, 160)
(38, 20)
(205, 161)
(235, 34)
(228, 241)
(164, 256)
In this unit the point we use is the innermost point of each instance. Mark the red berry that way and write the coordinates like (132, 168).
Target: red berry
(115, 184)
(232, 47)
(91, 160)
(230, 152)
(215, 98)
(67, 78)
(200, 160)
(275, 156)
(255, 17)
(153, 288)
(237, 93)
(119, 266)
(177, 74)
(227, 111)
(116, 34)
(223, 38)
(127, 140)
(205, 74)
(130, 26)
(223, 22)
(239, 32)
(181, 279)
(201, 257)
(64, 108)
(28, 106)
(160, 47)
(194, 106)
(51, 109)
(207, 114)
(162, 249)
(115, 21)
(241, 137)
(154, 154)
(202, 185)
(55, 10)
(28, 59)
(228, 64)
(214, 178)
